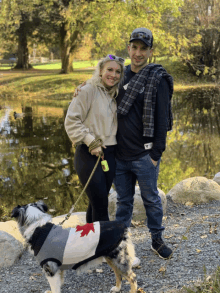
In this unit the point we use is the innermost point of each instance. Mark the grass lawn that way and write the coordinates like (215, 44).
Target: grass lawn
(83, 70)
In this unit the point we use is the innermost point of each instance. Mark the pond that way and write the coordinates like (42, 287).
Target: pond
(36, 154)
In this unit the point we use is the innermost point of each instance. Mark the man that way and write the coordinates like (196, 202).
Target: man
(144, 117)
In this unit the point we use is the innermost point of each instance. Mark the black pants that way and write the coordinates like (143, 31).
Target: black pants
(100, 184)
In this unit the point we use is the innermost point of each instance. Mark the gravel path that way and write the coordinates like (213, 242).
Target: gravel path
(192, 232)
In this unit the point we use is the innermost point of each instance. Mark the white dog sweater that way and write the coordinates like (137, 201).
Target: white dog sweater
(72, 247)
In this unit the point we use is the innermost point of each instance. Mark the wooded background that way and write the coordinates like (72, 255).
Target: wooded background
(87, 29)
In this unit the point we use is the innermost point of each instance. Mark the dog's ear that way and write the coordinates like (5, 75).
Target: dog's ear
(42, 206)
(15, 212)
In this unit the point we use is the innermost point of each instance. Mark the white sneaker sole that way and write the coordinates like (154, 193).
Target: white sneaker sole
(136, 262)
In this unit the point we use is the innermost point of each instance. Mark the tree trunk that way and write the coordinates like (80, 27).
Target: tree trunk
(68, 44)
(23, 55)
(65, 50)
(66, 59)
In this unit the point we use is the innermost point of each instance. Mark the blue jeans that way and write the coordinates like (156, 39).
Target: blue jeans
(143, 170)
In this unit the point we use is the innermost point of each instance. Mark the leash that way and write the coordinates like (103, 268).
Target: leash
(94, 144)
(90, 177)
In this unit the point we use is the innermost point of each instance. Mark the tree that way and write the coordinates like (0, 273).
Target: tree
(197, 33)
(109, 22)
(72, 20)
(18, 20)
(67, 22)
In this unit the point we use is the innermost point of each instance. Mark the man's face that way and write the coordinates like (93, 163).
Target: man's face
(139, 53)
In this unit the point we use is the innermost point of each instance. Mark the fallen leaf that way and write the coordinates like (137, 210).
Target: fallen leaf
(198, 250)
(162, 269)
(32, 278)
(216, 241)
(184, 238)
(215, 229)
(167, 237)
(203, 236)
(99, 271)
(189, 203)
(205, 217)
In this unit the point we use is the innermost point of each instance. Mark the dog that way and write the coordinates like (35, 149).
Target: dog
(80, 248)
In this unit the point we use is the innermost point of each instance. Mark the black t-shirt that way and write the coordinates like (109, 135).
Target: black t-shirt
(130, 139)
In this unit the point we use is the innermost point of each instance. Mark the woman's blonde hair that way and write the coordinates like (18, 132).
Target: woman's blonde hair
(96, 78)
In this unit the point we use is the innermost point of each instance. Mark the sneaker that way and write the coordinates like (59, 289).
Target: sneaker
(160, 248)
(136, 262)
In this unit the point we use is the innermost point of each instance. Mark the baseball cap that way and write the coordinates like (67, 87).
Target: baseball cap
(143, 34)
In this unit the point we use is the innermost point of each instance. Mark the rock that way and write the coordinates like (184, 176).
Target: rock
(139, 213)
(196, 190)
(12, 244)
(217, 178)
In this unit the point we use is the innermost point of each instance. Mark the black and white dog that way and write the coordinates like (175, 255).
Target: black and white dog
(80, 248)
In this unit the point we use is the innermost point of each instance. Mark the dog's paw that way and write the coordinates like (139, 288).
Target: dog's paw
(115, 289)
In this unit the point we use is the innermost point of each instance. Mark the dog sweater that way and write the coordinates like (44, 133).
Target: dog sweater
(72, 247)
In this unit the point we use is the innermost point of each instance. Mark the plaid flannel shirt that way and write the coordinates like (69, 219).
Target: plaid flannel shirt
(147, 80)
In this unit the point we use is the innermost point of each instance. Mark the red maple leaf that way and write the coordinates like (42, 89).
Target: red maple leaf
(85, 229)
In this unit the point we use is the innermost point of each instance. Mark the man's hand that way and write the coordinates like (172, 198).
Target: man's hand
(78, 89)
(154, 162)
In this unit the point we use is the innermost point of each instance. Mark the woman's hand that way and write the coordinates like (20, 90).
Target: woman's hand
(97, 151)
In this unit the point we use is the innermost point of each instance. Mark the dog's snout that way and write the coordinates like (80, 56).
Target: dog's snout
(15, 212)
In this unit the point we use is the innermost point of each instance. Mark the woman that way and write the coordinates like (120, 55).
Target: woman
(91, 124)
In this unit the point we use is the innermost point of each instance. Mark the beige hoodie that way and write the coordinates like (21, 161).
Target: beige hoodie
(92, 114)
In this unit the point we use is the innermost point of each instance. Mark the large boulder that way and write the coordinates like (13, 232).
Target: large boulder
(12, 244)
(217, 178)
(139, 213)
(195, 190)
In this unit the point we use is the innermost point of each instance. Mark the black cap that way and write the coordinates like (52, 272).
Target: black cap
(143, 34)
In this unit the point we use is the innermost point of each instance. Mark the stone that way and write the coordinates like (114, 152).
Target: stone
(139, 213)
(12, 244)
(196, 190)
(217, 178)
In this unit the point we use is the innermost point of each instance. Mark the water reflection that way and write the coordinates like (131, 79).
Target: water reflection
(36, 159)
(193, 145)
(36, 154)
(198, 110)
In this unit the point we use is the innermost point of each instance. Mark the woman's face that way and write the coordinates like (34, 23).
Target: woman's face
(110, 74)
